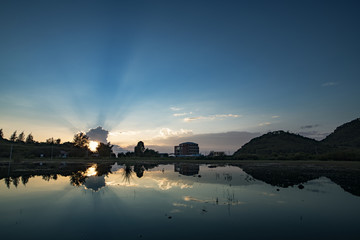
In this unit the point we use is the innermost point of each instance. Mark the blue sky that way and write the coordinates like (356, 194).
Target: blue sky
(150, 70)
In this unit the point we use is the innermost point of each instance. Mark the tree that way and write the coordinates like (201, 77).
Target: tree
(29, 139)
(151, 153)
(104, 150)
(81, 140)
(139, 149)
(1, 134)
(50, 141)
(58, 141)
(13, 137)
(21, 137)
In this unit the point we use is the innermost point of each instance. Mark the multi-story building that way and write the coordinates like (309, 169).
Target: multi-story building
(187, 149)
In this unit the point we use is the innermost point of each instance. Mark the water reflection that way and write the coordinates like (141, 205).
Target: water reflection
(97, 176)
(187, 169)
(209, 201)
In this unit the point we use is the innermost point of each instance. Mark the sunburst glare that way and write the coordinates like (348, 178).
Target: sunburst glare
(93, 146)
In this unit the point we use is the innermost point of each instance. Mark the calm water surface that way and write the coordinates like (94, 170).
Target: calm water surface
(173, 202)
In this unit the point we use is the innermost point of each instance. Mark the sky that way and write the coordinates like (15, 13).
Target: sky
(215, 72)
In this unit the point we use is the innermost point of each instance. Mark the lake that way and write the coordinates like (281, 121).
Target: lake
(173, 201)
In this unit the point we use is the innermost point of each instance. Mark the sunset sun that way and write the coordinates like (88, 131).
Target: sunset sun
(93, 146)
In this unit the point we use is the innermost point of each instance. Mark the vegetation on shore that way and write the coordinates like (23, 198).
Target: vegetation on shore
(342, 144)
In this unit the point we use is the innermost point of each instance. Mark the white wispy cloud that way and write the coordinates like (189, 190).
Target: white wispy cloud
(275, 116)
(167, 132)
(181, 114)
(211, 117)
(329, 84)
(264, 124)
(175, 108)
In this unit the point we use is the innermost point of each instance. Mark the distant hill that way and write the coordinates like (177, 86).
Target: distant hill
(347, 135)
(278, 144)
(342, 144)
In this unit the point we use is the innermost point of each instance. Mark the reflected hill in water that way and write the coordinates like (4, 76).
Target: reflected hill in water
(93, 176)
(287, 175)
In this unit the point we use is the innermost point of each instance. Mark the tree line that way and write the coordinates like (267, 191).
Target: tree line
(22, 146)
(29, 138)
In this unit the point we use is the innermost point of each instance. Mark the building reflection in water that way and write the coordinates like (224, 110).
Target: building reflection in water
(187, 169)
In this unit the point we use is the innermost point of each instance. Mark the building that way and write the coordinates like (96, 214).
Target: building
(187, 149)
(216, 154)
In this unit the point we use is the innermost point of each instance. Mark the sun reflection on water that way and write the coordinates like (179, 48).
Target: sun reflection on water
(91, 171)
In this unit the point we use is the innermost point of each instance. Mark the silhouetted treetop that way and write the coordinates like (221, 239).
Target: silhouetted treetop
(13, 136)
(21, 137)
(104, 150)
(139, 149)
(30, 139)
(81, 140)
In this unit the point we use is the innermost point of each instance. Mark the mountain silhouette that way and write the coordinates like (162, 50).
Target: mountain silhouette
(346, 135)
(342, 144)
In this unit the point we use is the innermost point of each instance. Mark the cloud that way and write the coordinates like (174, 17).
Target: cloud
(314, 135)
(190, 119)
(227, 115)
(117, 149)
(175, 108)
(164, 139)
(181, 114)
(98, 134)
(128, 139)
(167, 132)
(275, 116)
(228, 141)
(193, 199)
(329, 84)
(166, 184)
(264, 124)
(309, 126)
(211, 117)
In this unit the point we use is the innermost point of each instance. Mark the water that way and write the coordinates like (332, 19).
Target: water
(184, 201)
